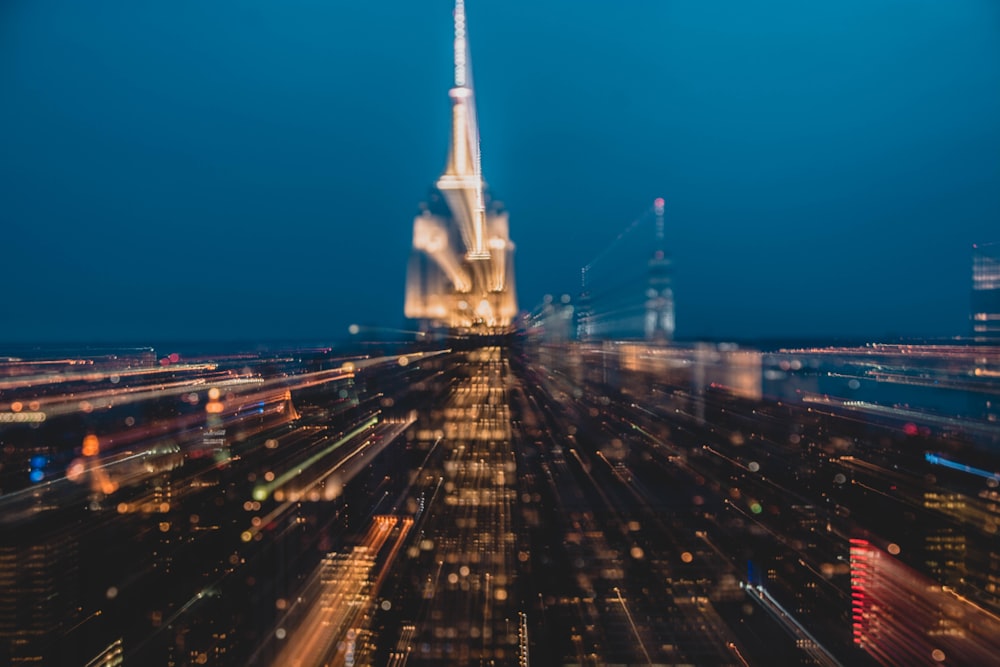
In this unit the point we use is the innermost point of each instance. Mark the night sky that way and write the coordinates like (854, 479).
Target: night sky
(250, 170)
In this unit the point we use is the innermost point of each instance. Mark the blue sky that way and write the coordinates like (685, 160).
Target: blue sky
(250, 170)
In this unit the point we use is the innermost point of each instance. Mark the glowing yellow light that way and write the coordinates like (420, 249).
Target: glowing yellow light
(246, 536)
(213, 393)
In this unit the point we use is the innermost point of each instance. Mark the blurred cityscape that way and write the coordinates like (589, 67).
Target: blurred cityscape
(565, 486)
(500, 500)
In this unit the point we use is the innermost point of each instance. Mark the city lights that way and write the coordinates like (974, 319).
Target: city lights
(580, 484)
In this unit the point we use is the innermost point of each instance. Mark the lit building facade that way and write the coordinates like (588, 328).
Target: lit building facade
(900, 617)
(986, 293)
(461, 271)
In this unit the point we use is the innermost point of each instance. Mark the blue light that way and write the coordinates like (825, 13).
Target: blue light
(36, 475)
(936, 459)
(38, 461)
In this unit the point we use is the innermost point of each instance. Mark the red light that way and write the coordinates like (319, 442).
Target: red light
(658, 202)
(910, 428)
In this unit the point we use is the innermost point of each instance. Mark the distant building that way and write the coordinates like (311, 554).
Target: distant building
(986, 293)
(659, 321)
(623, 299)
(554, 323)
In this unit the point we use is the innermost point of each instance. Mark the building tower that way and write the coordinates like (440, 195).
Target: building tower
(986, 293)
(659, 321)
(461, 272)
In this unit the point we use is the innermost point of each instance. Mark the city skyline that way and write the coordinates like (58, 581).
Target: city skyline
(825, 170)
(498, 492)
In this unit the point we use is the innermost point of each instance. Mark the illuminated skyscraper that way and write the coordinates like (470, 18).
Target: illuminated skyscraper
(461, 272)
(986, 292)
(659, 324)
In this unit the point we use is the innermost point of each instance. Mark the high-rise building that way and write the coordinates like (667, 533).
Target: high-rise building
(903, 618)
(986, 292)
(659, 323)
(461, 272)
(39, 595)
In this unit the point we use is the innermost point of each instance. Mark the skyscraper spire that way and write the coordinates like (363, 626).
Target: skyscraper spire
(461, 47)
(462, 181)
(461, 272)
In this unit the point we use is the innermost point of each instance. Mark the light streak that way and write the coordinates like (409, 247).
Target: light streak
(937, 459)
(809, 644)
(635, 630)
(23, 382)
(263, 491)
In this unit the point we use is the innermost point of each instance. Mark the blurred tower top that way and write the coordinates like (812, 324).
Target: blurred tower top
(461, 272)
